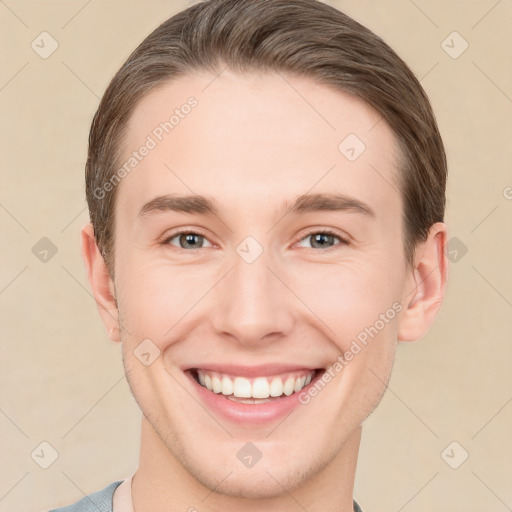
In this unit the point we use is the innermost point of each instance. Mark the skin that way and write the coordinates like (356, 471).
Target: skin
(252, 143)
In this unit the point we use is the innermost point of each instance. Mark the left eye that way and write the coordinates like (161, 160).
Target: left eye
(323, 239)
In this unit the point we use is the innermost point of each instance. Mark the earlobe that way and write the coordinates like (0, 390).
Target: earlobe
(114, 333)
(100, 282)
(426, 287)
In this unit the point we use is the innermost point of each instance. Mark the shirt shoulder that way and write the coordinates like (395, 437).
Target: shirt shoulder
(357, 508)
(100, 501)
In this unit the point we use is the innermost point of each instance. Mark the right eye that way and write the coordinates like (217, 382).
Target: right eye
(186, 240)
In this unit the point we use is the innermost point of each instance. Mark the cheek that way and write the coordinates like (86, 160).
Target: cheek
(155, 295)
(350, 298)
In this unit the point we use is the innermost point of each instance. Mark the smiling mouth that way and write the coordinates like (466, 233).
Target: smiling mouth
(256, 390)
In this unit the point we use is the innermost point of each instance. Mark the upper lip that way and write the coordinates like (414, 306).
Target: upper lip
(251, 371)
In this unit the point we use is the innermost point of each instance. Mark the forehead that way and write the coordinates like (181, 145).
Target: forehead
(257, 135)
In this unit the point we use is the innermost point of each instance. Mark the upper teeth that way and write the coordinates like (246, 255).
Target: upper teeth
(260, 387)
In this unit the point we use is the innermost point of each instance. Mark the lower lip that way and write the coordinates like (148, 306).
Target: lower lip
(255, 414)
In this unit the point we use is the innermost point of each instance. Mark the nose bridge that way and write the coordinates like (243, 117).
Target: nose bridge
(253, 302)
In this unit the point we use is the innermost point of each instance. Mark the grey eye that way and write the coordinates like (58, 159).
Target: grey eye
(188, 240)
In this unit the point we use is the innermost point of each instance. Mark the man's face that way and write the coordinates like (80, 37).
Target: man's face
(253, 298)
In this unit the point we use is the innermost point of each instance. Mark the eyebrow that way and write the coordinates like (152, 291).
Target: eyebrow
(196, 204)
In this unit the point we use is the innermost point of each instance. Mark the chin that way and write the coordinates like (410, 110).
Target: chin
(270, 477)
(253, 484)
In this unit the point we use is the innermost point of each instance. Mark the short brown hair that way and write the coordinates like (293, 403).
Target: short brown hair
(303, 37)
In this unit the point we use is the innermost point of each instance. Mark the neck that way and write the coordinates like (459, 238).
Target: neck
(161, 483)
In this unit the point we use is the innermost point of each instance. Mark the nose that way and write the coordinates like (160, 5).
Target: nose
(252, 304)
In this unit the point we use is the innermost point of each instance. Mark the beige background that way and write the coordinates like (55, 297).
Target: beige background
(61, 378)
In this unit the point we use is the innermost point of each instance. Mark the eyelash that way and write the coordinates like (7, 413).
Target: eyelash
(343, 241)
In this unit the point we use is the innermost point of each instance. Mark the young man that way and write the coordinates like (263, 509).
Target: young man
(266, 185)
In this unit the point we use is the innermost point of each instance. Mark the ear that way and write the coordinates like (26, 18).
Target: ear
(426, 285)
(100, 281)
